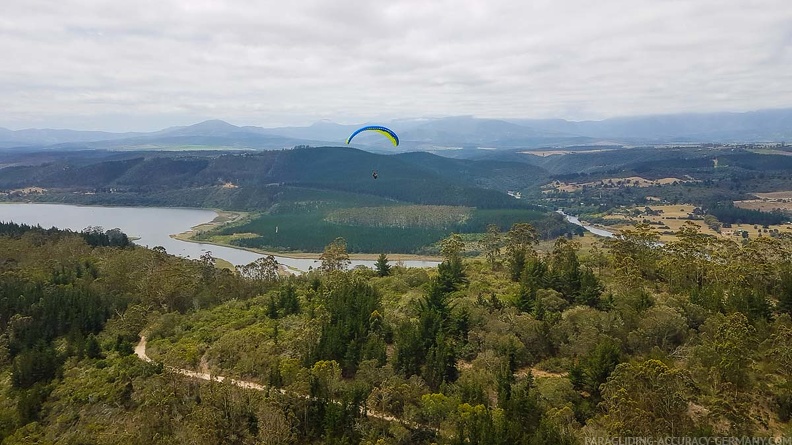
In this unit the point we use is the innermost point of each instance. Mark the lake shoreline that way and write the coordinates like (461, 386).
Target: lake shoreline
(169, 228)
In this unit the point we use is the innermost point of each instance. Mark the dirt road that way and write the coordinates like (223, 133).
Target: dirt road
(140, 351)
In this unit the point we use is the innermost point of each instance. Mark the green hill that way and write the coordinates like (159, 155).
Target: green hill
(297, 190)
(421, 179)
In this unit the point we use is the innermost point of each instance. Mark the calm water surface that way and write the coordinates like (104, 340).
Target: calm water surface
(152, 226)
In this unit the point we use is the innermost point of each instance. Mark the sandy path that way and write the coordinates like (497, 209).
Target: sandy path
(140, 351)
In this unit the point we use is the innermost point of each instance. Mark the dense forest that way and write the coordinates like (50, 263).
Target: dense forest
(628, 338)
(395, 229)
(252, 180)
(295, 196)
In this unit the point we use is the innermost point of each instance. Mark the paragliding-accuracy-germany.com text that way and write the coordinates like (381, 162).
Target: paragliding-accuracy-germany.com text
(684, 440)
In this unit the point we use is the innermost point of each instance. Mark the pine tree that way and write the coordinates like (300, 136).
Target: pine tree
(92, 348)
(590, 289)
(382, 266)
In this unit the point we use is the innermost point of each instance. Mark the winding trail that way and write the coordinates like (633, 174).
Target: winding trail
(140, 351)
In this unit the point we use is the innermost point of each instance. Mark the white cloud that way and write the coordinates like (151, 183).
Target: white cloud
(146, 64)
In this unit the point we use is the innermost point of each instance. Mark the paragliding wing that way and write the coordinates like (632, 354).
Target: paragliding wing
(388, 133)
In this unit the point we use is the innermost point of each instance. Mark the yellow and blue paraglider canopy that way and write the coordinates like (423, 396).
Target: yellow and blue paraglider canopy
(387, 132)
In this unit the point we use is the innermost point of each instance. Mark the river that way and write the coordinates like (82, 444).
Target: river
(152, 226)
(574, 220)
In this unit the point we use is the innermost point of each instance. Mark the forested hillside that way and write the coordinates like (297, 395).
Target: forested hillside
(292, 193)
(170, 178)
(627, 338)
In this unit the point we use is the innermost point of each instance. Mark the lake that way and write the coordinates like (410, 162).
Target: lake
(151, 226)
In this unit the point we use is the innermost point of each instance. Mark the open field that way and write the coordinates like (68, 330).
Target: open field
(562, 152)
(612, 183)
(765, 205)
(671, 218)
(770, 151)
(775, 195)
(768, 202)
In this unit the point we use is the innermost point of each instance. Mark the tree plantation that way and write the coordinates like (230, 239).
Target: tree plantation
(629, 337)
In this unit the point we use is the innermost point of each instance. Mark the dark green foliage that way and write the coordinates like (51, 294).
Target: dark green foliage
(112, 238)
(92, 348)
(123, 346)
(30, 401)
(526, 299)
(728, 213)
(437, 329)
(310, 232)
(374, 348)
(31, 366)
(539, 310)
(505, 218)
(593, 369)
(532, 278)
(753, 304)
(517, 260)
(16, 230)
(435, 312)
(94, 236)
(410, 349)
(153, 175)
(305, 228)
(382, 266)
(785, 291)
(505, 380)
(429, 347)
(272, 308)
(57, 293)
(534, 273)
(565, 270)
(590, 289)
(522, 411)
(783, 400)
(451, 275)
(275, 378)
(440, 366)
(288, 303)
(350, 303)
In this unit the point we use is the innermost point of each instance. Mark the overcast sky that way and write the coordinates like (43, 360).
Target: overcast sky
(148, 64)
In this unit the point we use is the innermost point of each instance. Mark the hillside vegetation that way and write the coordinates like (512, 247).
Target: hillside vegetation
(108, 177)
(629, 339)
(301, 199)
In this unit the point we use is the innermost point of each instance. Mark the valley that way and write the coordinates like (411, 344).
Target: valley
(526, 326)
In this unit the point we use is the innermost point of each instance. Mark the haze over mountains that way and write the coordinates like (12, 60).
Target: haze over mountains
(433, 134)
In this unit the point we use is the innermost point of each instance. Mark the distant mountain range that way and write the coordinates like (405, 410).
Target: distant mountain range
(431, 134)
